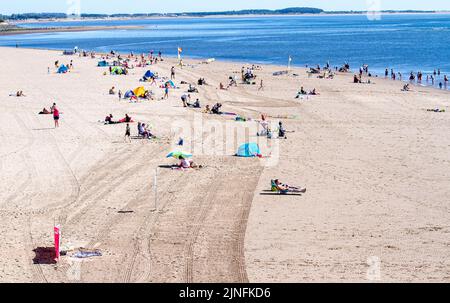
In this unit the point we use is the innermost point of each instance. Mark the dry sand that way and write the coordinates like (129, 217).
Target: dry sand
(375, 162)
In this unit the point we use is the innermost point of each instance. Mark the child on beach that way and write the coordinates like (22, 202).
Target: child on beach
(166, 92)
(127, 134)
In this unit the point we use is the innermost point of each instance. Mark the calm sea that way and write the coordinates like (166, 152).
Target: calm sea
(403, 42)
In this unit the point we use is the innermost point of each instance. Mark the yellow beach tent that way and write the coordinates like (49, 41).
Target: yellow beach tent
(139, 91)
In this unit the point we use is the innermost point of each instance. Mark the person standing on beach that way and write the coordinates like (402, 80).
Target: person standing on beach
(166, 92)
(172, 73)
(127, 134)
(184, 99)
(120, 94)
(55, 115)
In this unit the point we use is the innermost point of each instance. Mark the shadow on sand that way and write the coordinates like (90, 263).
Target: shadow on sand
(44, 255)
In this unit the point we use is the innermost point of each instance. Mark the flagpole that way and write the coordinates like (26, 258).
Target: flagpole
(155, 184)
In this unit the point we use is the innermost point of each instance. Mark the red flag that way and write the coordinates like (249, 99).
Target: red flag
(57, 232)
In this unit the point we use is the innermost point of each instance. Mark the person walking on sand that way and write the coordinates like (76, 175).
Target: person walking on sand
(261, 86)
(55, 115)
(127, 134)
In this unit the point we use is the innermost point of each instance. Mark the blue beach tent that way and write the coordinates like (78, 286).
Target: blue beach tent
(148, 74)
(249, 150)
(103, 64)
(129, 94)
(63, 69)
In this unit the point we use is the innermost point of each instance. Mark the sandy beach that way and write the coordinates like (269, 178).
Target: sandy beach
(374, 161)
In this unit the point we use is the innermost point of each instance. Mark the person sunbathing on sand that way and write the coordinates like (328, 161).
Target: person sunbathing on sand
(18, 94)
(111, 91)
(302, 92)
(186, 164)
(207, 110)
(109, 120)
(406, 88)
(284, 188)
(313, 92)
(216, 109)
(45, 112)
(196, 104)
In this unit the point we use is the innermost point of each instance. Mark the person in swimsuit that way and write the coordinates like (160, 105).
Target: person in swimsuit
(56, 116)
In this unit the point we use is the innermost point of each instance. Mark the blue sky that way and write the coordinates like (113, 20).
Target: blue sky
(164, 6)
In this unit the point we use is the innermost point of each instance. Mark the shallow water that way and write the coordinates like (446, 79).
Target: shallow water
(402, 42)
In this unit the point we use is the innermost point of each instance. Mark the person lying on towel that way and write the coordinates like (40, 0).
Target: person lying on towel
(45, 112)
(284, 188)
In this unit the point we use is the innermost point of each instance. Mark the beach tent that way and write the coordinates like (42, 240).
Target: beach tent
(249, 150)
(63, 69)
(129, 94)
(139, 91)
(116, 71)
(149, 74)
(170, 84)
(103, 64)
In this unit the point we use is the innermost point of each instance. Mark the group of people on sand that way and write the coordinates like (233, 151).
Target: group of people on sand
(303, 92)
(186, 99)
(144, 131)
(267, 131)
(54, 111)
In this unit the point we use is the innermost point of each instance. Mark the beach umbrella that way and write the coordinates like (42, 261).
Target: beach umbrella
(178, 154)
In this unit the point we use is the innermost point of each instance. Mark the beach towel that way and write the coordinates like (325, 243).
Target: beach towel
(87, 254)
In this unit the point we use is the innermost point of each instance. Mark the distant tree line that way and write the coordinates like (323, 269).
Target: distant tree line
(286, 11)
(293, 10)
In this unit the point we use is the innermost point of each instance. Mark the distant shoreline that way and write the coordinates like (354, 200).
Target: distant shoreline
(53, 20)
(22, 31)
